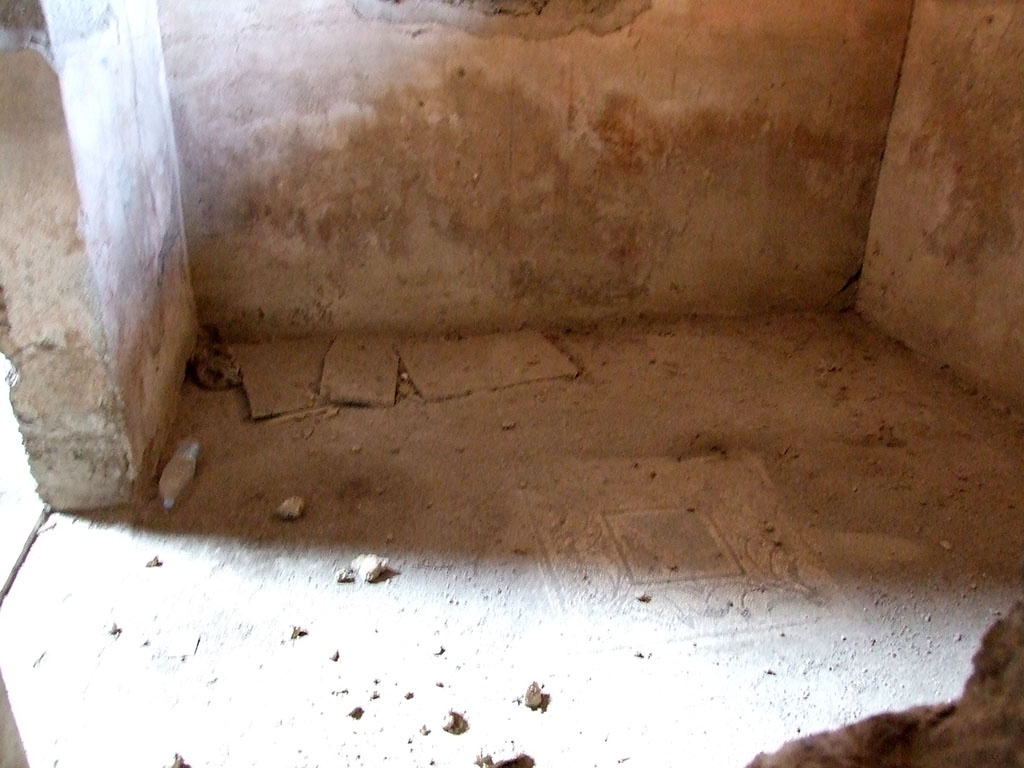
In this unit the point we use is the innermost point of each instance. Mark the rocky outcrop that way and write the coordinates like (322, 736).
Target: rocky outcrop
(983, 729)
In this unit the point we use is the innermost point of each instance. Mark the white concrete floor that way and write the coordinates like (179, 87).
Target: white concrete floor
(824, 524)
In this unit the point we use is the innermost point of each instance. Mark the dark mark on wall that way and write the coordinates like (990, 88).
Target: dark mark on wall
(593, 210)
(530, 19)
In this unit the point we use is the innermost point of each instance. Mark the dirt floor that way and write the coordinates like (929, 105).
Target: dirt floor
(719, 536)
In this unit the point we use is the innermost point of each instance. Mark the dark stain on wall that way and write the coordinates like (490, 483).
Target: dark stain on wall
(545, 210)
(530, 19)
(975, 126)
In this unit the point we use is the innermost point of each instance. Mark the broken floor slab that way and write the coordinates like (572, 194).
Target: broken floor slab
(443, 368)
(283, 376)
(360, 371)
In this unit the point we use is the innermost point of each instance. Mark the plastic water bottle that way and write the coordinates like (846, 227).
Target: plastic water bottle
(178, 472)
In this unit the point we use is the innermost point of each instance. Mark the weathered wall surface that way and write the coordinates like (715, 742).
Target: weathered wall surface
(66, 400)
(96, 312)
(944, 267)
(110, 59)
(362, 163)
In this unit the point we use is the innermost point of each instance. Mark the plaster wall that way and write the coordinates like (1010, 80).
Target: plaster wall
(944, 266)
(425, 165)
(65, 398)
(113, 84)
(98, 315)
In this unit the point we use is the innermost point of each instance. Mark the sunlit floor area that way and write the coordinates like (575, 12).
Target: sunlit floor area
(719, 536)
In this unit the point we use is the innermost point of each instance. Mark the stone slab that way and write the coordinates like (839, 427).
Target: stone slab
(443, 368)
(283, 376)
(360, 370)
(653, 543)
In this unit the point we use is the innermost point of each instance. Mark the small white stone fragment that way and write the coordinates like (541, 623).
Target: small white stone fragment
(370, 567)
(345, 576)
(291, 508)
(534, 698)
(455, 723)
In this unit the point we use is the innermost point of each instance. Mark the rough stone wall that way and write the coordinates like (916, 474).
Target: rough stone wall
(96, 310)
(369, 164)
(12, 753)
(984, 729)
(944, 267)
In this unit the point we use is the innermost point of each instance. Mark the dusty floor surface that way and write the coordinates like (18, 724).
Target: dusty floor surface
(825, 527)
